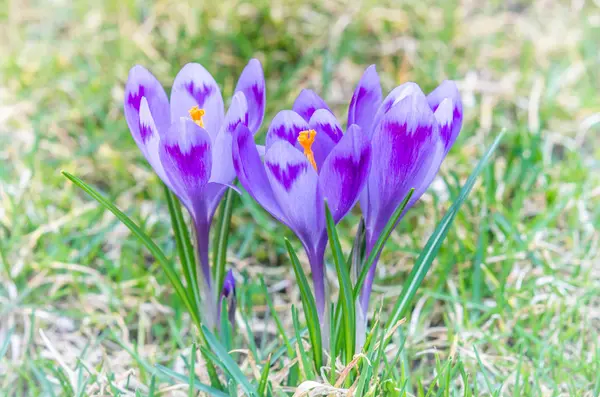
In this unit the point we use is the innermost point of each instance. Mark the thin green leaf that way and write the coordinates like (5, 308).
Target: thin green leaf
(264, 378)
(346, 297)
(484, 371)
(277, 320)
(228, 364)
(152, 387)
(286, 341)
(308, 371)
(162, 260)
(310, 308)
(160, 257)
(4, 346)
(192, 375)
(184, 245)
(432, 247)
(197, 385)
(221, 246)
(387, 230)
(334, 341)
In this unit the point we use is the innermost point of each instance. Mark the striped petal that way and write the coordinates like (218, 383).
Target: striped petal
(142, 84)
(446, 103)
(194, 86)
(329, 133)
(344, 173)
(393, 98)
(366, 100)
(286, 126)
(151, 139)
(252, 84)
(307, 103)
(223, 171)
(294, 184)
(185, 153)
(251, 172)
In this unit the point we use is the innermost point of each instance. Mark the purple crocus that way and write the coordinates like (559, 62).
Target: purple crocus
(307, 161)
(410, 135)
(228, 295)
(187, 140)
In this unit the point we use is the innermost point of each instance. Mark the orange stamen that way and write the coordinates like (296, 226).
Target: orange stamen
(306, 139)
(196, 114)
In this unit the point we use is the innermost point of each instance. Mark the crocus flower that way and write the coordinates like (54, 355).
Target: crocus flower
(305, 163)
(228, 295)
(410, 135)
(187, 140)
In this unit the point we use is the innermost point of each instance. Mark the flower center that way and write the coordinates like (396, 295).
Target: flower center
(306, 140)
(196, 114)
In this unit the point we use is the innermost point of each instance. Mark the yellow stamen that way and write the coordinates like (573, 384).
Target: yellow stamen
(196, 114)
(306, 139)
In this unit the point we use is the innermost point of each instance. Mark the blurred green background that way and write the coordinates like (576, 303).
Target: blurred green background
(515, 292)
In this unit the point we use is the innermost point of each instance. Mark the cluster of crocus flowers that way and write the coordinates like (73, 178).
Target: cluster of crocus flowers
(391, 145)
(187, 141)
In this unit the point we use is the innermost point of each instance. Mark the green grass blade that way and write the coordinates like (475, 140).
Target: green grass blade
(432, 247)
(264, 378)
(165, 264)
(152, 387)
(347, 299)
(277, 320)
(334, 342)
(226, 329)
(192, 375)
(221, 246)
(197, 385)
(387, 230)
(290, 349)
(184, 245)
(308, 371)
(4, 346)
(228, 364)
(310, 308)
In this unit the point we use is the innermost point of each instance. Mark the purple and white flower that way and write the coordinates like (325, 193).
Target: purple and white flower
(187, 140)
(410, 135)
(308, 159)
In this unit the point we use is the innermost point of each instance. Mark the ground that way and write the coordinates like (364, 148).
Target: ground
(514, 295)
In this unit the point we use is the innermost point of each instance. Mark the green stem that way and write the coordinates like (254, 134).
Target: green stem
(221, 251)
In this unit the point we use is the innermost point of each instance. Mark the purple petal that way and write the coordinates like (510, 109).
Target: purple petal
(366, 100)
(185, 153)
(344, 173)
(307, 103)
(211, 197)
(394, 97)
(252, 84)
(228, 284)
(142, 84)
(228, 293)
(406, 150)
(329, 132)
(222, 162)
(251, 172)
(294, 183)
(286, 126)
(450, 116)
(151, 138)
(194, 86)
